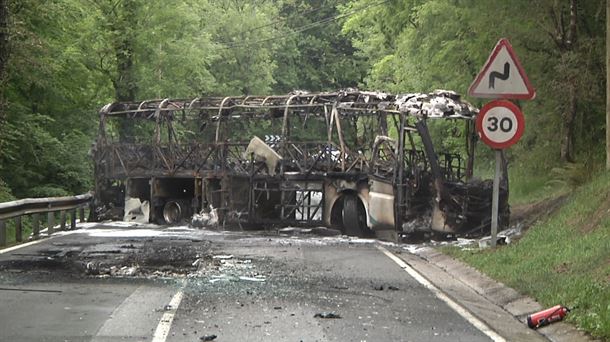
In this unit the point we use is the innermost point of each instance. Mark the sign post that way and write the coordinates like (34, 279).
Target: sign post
(500, 123)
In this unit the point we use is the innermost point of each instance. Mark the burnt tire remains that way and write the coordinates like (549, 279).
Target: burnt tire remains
(354, 216)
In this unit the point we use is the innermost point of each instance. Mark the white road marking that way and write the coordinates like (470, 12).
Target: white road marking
(477, 323)
(10, 249)
(41, 239)
(168, 317)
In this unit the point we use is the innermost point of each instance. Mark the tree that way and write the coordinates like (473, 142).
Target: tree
(47, 87)
(607, 84)
(4, 51)
(4, 54)
(244, 45)
(422, 45)
(313, 53)
(566, 39)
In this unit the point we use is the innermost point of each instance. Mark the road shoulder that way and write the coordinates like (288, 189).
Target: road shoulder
(501, 307)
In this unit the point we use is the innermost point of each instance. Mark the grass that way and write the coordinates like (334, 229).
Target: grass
(562, 260)
(526, 187)
(26, 229)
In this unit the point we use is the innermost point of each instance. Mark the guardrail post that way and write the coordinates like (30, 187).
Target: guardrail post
(81, 214)
(73, 219)
(36, 226)
(62, 220)
(50, 222)
(18, 229)
(2, 233)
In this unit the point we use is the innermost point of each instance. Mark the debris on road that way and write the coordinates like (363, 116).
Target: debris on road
(385, 287)
(208, 338)
(222, 257)
(205, 218)
(256, 279)
(320, 231)
(340, 287)
(327, 315)
(486, 242)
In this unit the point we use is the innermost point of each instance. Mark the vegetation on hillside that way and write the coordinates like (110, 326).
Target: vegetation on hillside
(564, 259)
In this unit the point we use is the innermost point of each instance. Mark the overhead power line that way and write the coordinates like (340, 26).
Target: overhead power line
(279, 20)
(304, 27)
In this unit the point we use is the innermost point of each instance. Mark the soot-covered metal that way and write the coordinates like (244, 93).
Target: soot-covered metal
(363, 162)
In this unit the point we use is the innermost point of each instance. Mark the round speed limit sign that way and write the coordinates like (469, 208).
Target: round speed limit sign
(500, 124)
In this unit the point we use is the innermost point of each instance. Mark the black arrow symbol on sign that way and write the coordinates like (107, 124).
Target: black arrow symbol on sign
(504, 76)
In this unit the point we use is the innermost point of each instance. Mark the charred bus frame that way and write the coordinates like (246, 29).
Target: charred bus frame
(196, 155)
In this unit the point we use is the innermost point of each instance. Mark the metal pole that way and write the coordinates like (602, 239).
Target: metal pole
(62, 220)
(495, 199)
(2, 233)
(36, 226)
(50, 222)
(72, 219)
(18, 229)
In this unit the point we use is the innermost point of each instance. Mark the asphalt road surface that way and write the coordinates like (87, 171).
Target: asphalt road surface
(122, 282)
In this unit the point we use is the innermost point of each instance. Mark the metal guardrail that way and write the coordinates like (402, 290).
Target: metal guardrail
(35, 206)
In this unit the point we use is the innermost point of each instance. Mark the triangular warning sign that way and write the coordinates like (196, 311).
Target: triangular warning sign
(502, 77)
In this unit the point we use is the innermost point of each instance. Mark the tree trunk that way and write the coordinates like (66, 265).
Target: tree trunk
(569, 115)
(4, 52)
(125, 82)
(569, 126)
(608, 85)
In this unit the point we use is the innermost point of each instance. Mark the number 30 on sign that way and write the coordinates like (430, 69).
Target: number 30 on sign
(500, 124)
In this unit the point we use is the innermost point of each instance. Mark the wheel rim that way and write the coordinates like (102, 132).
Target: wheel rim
(172, 212)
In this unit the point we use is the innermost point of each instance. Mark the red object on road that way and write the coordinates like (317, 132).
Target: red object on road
(548, 316)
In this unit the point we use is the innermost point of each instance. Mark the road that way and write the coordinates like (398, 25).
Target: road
(118, 282)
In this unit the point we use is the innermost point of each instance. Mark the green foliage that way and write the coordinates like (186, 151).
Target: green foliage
(5, 192)
(319, 58)
(422, 45)
(47, 132)
(242, 65)
(70, 57)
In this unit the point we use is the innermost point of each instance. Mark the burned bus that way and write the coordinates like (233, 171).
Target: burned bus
(362, 162)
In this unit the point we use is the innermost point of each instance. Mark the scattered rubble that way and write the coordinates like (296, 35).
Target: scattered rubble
(327, 315)
(227, 268)
(320, 231)
(205, 218)
(384, 287)
(504, 237)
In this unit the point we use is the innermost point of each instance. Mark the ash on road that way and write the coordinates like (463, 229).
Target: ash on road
(113, 282)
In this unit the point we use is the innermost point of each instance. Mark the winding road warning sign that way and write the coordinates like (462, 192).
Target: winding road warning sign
(502, 76)
(500, 124)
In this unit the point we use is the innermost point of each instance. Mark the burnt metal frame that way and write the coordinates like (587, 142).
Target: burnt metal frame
(213, 160)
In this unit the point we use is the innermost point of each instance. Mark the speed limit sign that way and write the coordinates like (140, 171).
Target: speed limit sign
(500, 124)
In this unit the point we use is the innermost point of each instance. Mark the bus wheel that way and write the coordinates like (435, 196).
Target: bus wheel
(354, 216)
